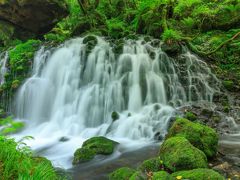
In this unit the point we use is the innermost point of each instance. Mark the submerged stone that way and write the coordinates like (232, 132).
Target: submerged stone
(177, 153)
(122, 174)
(197, 174)
(202, 137)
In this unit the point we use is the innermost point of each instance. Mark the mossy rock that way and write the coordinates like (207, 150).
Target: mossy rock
(151, 165)
(202, 137)
(162, 175)
(92, 147)
(228, 84)
(177, 153)
(100, 145)
(138, 176)
(83, 155)
(90, 41)
(123, 173)
(115, 116)
(199, 174)
(190, 116)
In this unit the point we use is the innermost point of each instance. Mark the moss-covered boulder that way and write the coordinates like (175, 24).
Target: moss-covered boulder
(190, 116)
(92, 147)
(138, 175)
(202, 137)
(100, 145)
(177, 153)
(83, 155)
(162, 175)
(123, 173)
(198, 174)
(151, 165)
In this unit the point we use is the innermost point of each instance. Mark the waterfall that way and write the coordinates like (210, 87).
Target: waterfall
(3, 66)
(73, 92)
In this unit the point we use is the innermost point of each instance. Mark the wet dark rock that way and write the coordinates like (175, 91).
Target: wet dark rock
(158, 136)
(64, 139)
(172, 50)
(38, 16)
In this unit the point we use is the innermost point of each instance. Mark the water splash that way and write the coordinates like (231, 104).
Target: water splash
(72, 94)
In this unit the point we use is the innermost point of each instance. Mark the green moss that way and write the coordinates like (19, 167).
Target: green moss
(123, 173)
(92, 147)
(138, 176)
(171, 35)
(24, 51)
(100, 145)
(83, 155)
(228, 84)
(202, 137)
(190, 116)
(197, 174)
(115, 116)
(177, 154)
(151, 165)
(161, 175)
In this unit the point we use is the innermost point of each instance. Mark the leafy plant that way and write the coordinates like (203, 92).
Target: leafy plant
(17, 162)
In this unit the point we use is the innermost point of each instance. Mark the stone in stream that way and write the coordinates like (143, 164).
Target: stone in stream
(200, 136)
(197, 174)
(92, 147)
(177, 153)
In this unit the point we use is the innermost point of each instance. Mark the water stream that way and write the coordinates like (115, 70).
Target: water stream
(3, 66)
(72, 95)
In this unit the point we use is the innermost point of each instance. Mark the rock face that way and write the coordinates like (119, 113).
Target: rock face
(202, 137)
(37, 16)
(177, 154)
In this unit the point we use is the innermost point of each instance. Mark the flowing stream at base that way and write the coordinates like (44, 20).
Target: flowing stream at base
(73, 92)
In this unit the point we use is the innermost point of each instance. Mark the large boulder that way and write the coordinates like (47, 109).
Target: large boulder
(92, 147)
(202, 137)
(197, 174)
(177, 153)
(37, 16)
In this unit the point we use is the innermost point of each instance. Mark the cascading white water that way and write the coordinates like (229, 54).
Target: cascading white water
(3, 66)
(72, 94)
